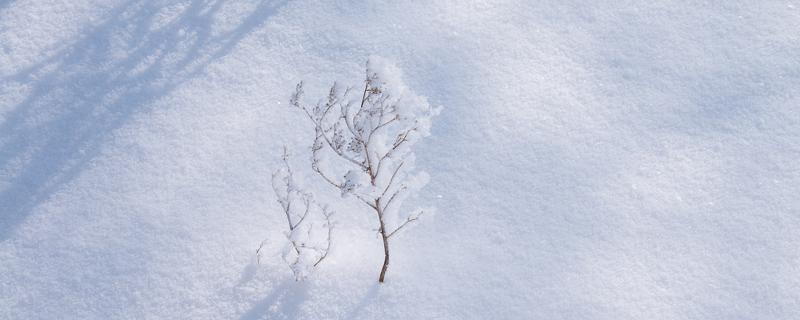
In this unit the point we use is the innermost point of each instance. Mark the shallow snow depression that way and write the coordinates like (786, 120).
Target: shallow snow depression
(603, 160)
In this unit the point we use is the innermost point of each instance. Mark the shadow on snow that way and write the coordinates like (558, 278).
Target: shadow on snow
(82, 93)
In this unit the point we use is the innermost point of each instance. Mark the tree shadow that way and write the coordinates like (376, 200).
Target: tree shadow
(284, 302)
(369, 297)
(93, 86)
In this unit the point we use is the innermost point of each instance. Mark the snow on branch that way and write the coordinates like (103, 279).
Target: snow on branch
(363, 139)
(309, 224)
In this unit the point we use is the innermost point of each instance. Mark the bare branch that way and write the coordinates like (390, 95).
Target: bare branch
(394, 195)
(329, 226)
(408, 220)
(401, 138)
(258, 251)
(325, 177)
(319, 126)
(393, 119)
(307, 202)
(391, 180)
(367, 202)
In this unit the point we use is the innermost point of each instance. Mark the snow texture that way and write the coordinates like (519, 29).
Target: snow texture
(593, 160)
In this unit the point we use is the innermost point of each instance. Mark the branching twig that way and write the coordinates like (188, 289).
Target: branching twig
(408, 220)
(297, 207)
(366, 133)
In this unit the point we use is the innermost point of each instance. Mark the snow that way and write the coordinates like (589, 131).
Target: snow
(595, 160)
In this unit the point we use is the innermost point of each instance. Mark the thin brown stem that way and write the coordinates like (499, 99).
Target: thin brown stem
(408, 220)
(385, 239)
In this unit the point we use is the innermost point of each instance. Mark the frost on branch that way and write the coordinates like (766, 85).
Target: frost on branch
(362, 144)
(309, 223)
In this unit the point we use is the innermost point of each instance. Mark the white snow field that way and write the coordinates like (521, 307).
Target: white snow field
(593, 159)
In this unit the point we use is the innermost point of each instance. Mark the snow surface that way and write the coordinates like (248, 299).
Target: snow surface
(594, 159)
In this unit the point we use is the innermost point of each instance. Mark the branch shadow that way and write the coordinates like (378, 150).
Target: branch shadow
(284, 301)
(93, 86)
(369, 297)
